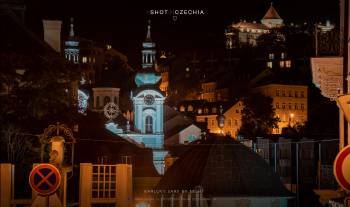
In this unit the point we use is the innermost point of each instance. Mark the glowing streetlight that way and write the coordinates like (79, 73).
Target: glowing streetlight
(291, 116)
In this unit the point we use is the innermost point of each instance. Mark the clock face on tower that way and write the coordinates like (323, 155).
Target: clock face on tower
(148, 99)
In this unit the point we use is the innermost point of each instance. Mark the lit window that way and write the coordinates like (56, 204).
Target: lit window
(288, 64)
(199, 111)
(182, 108)
(282, 64)
(213, 110)
(271, 56)
(84, 59)
(269, 64)
(190, 108)
(109, 47)
(206, 110)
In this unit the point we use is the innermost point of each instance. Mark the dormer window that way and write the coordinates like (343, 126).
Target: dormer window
(283, 55)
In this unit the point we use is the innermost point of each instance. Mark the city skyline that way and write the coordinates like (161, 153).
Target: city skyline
(123, 26)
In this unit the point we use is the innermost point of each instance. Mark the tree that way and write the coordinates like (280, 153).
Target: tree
(16, 143)
(258, 116)
(37, 93)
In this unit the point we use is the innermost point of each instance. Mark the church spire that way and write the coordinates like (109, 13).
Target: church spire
(148, 37)
(71, 31)
(148, 51)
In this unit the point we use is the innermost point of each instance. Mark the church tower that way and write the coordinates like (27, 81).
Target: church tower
(71, 50)
(148, 103)
(272, 19)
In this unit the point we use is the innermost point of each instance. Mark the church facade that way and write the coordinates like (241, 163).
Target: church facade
(148, 106)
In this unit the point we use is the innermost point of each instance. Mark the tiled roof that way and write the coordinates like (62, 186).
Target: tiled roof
(223, 167)
(94, 141)
(272, 14)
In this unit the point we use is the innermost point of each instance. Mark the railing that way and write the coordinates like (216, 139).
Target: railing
(104, 183)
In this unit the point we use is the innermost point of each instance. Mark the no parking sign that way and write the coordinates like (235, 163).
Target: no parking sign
(45, 179)
(341, 168)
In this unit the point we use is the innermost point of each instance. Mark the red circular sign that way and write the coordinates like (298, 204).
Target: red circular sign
(45, 179)
(341, 168)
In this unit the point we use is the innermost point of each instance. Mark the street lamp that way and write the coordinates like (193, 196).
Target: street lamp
(221, 119)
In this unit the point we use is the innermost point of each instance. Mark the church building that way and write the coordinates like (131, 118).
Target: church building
(148, 107)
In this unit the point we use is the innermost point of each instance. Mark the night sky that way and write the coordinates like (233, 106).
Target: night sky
(123, 23)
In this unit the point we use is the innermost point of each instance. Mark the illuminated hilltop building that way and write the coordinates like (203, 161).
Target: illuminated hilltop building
(246, 33)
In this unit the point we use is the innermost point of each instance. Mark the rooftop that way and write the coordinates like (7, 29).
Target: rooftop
(272, 13)
(223, 167)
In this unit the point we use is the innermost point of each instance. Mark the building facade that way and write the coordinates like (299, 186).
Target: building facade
(289, 103)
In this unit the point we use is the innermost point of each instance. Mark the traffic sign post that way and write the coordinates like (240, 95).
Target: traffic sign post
(341, 168)
(45, 179)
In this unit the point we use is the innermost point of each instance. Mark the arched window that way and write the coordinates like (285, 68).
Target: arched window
(149, 125)
(97, 102)
(106, 100)
(229, 122)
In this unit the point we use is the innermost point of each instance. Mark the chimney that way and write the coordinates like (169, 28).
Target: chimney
(52, 33)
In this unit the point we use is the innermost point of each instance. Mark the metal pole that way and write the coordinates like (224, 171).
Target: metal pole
(319, 165)
(275, 156)
(345, 62)
(316, 40)
(297, 172)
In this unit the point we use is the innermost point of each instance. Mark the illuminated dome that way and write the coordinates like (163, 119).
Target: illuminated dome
(147, 78)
